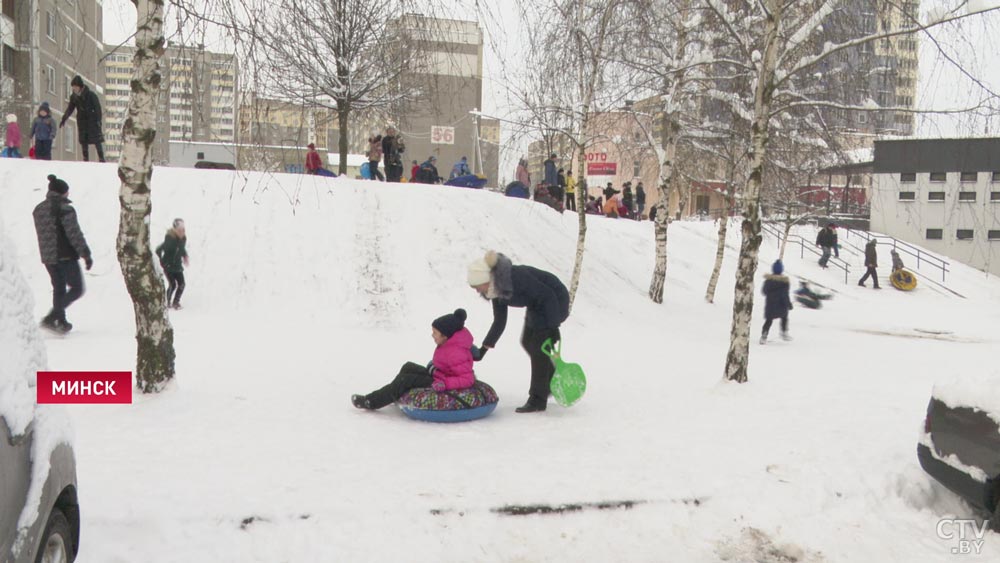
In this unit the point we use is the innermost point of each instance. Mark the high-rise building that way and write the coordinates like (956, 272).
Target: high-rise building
(880, 74)
(43, 45)
(197, 98)
(449, 76)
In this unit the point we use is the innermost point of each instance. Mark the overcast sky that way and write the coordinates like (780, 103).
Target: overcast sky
(941, 85)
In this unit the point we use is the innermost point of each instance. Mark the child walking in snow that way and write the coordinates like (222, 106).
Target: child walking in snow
(777, 303)
(173, 257)
(12, 141)
(451, 368)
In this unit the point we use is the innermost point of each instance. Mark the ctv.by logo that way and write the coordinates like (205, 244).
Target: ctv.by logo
(969, 533)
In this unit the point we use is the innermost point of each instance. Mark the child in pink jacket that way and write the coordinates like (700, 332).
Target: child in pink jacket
(12, 140)
(450, 369)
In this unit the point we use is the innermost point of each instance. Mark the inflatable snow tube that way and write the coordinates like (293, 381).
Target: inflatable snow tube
(461, 405)
(467, 181)
(903, 280)
(808, 301)
(517, 189)
(325, 172)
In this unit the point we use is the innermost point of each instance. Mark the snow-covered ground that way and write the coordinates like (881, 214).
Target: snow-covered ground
(303, 290)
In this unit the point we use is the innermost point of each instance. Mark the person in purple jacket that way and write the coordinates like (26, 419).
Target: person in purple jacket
(451, 368)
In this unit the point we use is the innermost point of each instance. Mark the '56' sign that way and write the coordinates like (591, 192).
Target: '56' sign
(442, 135)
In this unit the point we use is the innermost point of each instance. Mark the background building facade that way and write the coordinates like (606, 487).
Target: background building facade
(197, 98)
(942, 194)
(449, 79)
(43, 45)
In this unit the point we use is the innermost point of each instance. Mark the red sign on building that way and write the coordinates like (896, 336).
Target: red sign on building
(602, 168)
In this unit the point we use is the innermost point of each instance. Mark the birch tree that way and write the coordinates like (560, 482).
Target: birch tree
(154, 334)
(345, 55)
(779, 44)
(566, 81)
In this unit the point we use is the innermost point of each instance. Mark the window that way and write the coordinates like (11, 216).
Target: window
(68, 40)
(964, 234)
(935, 196)
(638, 137)
(996, 177)
(862, 117)
(994, 196)
(966, 196)
(969, 176)
(8, 59)
(935, 234)
(993, 235)
(637, 168)
(908, 177)
(907, 196)
(201, 156)
(67, 86)
(938, 176)
(50, 79)
(68, 138)
(50, 25)
(8, 8)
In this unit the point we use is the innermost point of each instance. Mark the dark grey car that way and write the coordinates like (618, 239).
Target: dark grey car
(961, 449)
(54, 536)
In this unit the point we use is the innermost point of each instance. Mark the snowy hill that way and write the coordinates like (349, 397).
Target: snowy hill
(303, 290)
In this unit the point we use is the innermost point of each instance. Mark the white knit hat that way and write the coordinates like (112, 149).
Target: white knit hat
(11, 118)
(481, 269)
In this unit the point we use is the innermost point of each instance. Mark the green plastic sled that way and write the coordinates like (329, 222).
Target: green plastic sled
(568, 383)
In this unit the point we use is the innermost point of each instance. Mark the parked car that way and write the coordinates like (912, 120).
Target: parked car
(960, 446)
(54, 536)
(37, 465)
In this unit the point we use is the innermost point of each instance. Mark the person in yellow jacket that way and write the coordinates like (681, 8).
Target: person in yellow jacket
(570, 191)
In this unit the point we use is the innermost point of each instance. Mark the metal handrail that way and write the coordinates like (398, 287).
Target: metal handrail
(804, 245)
(901, 246)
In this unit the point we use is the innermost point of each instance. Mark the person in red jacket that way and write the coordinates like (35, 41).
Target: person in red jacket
(414, 171)
(451, 368)
(313, 161)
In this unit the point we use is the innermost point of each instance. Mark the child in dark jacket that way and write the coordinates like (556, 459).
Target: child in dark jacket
(173, 256)
(777, 302)
(451, 368)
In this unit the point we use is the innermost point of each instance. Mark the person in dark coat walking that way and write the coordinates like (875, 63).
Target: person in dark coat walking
(777, 302)
(428, 173)
(827, 240)
(547, 302)
(640, 201)
(551, 172)
(61, 245)
(627, 198)
(173, 256)
(392, 154)
(90, 129)
(871, 262)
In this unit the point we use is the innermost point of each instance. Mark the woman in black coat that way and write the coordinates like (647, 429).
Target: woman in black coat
(547, 302)
(777, 302)
(89, 125)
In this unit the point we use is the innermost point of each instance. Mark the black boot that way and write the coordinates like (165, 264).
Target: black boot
(533, 405)
(361, 402)
(49, 321)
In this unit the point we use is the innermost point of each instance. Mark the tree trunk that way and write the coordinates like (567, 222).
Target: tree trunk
(720, 250)
(684, 195)
(154, 335)
(784, 238)
(581, 211)
(668, 169)
(738, 358)
(343, 112)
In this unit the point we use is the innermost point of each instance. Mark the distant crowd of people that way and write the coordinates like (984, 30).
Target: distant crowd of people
(558, 189)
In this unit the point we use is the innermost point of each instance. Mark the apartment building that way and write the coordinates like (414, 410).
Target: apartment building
(198, 97)
(43, 45)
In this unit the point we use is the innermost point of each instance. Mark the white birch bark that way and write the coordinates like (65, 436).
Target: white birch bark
(720, 250)
(154, 335)
(738, 357)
